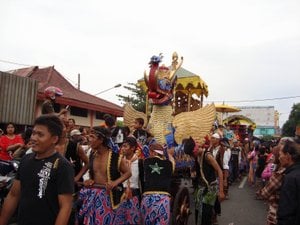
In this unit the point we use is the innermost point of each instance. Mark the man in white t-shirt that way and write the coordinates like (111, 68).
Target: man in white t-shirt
(129, 210)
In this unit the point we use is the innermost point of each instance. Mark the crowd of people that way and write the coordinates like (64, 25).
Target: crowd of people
(113, 175)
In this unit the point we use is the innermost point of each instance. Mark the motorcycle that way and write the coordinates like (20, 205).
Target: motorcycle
(8, 171)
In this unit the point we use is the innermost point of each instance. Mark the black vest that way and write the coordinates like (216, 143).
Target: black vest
(208, 170)
(157, 175)
(72, 156)
(113, 173)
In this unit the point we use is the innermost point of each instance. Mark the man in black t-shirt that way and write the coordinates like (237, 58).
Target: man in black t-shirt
(45, 181)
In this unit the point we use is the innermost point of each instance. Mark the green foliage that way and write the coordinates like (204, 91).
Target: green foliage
(120, 123)
(137, 99)
(289, 127)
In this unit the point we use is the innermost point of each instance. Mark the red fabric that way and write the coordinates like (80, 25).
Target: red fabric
(152, 94)
(152, 77)
(5, 142)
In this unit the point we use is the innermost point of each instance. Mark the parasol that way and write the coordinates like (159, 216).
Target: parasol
(224, 108)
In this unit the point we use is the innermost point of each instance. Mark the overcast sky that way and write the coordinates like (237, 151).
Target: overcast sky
(243, 50)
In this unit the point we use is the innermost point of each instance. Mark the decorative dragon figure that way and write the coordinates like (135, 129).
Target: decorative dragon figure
(166, 128)
(161, 80)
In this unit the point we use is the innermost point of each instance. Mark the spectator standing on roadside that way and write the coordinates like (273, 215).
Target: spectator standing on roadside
(289, 200)
(10, 142)
(44, 183)
(71, 124)
(271, 190)
(139, 132)
(115, 131)
(48, 104)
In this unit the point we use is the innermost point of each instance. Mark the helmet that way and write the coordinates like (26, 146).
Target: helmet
(52, 92)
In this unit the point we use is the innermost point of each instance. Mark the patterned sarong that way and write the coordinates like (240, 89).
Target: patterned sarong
(96, 207)
(200, 199)
(128, 212)
(155, 209)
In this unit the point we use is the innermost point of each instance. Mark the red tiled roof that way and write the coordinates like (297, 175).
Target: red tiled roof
(49, 76)
(23, 72)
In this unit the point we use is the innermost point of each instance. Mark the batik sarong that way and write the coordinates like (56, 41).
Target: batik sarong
(129, 212)
(204, 204)
(155, 209)
(96, 207)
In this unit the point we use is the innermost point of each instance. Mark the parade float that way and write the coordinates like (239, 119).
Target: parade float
(173, 116)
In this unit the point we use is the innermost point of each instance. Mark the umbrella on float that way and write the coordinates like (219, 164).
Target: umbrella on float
(224, 108)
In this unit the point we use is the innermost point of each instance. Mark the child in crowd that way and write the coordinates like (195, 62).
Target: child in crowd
(139, 132)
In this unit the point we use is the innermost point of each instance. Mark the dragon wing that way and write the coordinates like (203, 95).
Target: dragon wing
(196, 124)
(130, 114)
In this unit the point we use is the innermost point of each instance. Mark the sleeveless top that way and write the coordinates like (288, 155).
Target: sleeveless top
(113, 173)
(157, 175)
(208, 170)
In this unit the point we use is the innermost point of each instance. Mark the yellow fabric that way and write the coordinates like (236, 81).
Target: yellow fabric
(199, 87)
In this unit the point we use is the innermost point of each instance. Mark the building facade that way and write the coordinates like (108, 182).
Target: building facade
(87, 110)
(265, 117)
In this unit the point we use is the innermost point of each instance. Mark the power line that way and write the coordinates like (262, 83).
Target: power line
(15, 63)
(258, 100)
(230, 101)
(22, 64)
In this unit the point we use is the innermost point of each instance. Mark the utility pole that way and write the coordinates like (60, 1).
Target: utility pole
(78, 83)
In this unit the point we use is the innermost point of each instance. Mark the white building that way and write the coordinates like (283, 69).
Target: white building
(265, 118)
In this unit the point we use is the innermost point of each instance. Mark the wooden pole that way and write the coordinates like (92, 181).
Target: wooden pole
(147, 107)
(189, 100)
(78, 83)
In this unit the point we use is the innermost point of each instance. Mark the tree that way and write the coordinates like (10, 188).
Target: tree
(289, 126)
(137, 99)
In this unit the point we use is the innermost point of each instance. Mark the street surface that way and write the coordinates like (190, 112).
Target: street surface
(241, 208)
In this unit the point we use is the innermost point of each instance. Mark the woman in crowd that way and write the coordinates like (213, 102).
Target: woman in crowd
(10, 142)
(271, 190)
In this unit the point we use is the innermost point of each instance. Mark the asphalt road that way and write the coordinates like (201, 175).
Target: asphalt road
(241, 208)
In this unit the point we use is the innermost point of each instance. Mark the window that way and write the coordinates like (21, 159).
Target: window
(75, 111)
(99, 115)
